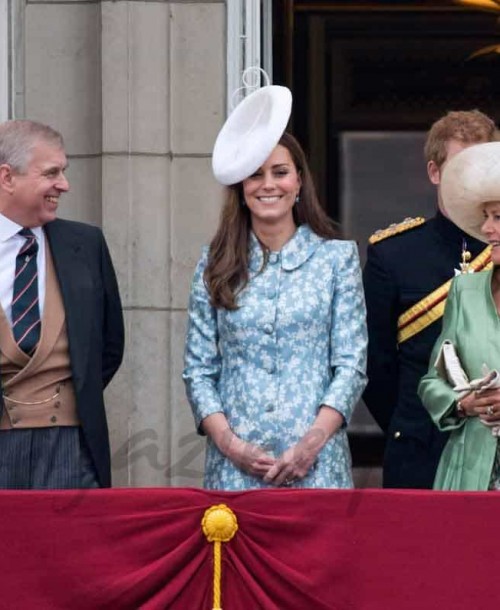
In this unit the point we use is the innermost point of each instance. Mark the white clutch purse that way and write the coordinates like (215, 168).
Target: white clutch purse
(450, 369)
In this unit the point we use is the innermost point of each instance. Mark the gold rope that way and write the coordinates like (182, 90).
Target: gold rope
(219, 524)
(217, 574)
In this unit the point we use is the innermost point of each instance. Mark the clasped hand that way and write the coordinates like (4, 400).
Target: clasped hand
(484, 404)
(292, 465)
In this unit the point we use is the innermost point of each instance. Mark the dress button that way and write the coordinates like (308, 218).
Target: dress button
(270, 368)
(53, 419)
(268, 329)
(273, 258)
(269, 407)
(397, 434)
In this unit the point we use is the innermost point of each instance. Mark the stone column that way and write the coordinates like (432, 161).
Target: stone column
(163, 91)
(62, 87)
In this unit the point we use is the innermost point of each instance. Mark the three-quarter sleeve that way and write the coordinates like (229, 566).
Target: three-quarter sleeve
(348, 335)
(437, 396)
(202, 359)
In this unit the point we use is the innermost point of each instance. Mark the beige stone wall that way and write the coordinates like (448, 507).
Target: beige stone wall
(138, 90)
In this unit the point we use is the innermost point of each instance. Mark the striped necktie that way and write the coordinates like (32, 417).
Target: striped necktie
(25, 310)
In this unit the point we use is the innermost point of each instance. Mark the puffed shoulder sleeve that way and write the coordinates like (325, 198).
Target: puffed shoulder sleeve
(437, 396)
(348, 335)
(202, 359)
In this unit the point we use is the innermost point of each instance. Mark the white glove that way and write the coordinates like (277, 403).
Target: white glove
(450, 368)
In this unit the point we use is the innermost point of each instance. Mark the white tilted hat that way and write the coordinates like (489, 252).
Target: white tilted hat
(250, 133)
(470, 179)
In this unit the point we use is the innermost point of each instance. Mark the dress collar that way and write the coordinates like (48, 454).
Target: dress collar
(297, 250)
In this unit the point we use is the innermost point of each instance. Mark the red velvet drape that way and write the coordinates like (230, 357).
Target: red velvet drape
(294, 550)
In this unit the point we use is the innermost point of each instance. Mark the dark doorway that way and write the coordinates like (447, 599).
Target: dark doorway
(381, 66)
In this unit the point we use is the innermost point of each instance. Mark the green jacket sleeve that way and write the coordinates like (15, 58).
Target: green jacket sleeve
(436, 394)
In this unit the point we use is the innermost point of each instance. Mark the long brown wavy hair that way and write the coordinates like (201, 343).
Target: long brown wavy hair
(226, 273)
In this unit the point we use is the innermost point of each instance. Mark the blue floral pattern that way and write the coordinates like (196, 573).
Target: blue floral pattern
(297, 341)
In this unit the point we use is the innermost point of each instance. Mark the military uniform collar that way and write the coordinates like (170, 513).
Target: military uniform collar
(298, 249)
(448, 230)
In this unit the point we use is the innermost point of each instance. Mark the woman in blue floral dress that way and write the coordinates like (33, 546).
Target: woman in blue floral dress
(276, 344)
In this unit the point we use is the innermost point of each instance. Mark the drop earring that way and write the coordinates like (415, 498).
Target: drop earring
(297, 199)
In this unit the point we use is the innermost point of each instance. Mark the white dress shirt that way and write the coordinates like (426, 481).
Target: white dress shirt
(10, 244)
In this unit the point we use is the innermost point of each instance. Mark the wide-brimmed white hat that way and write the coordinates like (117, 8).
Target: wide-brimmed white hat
(470, 179)
(250, 133)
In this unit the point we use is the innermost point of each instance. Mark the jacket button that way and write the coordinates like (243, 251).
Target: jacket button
(397, 434)
(273, 258)
(269, 407)
(268, 329)
(53, 419)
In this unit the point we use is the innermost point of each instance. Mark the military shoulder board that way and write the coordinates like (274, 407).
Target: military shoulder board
(395, 229)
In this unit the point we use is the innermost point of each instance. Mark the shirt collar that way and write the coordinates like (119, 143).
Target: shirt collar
(297, 250)
(9, 228)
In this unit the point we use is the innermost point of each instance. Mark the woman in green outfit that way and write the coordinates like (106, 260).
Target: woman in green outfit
(470, 190)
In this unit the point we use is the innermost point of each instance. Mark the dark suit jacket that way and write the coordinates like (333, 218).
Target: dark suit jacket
(95, 326)
(399, 272)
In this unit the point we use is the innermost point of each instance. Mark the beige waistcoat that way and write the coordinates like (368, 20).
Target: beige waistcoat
(38, 391)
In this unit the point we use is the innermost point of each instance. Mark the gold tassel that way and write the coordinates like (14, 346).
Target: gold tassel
(219, 524)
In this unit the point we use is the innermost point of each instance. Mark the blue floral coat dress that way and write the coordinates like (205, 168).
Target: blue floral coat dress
(297, 341)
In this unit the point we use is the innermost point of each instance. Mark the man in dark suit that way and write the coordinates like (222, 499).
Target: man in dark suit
(406, 280)
(61, 325)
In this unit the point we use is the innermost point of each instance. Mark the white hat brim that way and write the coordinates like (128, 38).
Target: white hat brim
(250, 133)
(470, 179)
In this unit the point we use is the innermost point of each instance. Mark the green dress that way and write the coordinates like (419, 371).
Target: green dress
(472, 324)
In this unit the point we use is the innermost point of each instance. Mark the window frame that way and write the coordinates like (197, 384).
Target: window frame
(249, 42)
(4, 60)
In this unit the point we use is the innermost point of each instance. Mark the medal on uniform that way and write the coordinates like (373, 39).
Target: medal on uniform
(466, 258)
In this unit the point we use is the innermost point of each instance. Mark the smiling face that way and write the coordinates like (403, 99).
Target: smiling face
(270, 193)
(491, 228)
(31, 197)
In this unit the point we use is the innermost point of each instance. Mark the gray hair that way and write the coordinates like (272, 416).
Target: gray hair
(17, 139)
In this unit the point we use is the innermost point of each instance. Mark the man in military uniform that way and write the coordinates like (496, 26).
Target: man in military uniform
(407, 275)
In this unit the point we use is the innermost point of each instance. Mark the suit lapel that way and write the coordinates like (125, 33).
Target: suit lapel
(68, 254)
